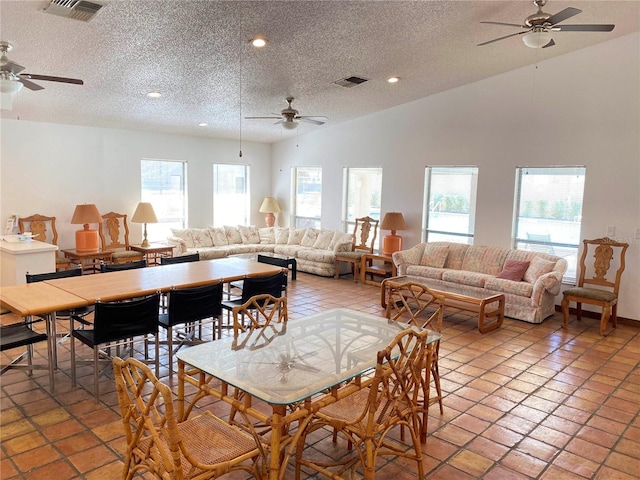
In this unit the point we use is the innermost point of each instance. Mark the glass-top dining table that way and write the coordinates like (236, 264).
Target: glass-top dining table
(296, 368)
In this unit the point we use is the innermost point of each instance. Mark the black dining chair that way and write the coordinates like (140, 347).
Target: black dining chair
(117, 324)
(190, 307)
(116, 267)
(19, 335)
(192, 257)
(274, 285)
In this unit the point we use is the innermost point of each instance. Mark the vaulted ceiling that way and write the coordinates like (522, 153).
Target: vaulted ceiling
(198, 55)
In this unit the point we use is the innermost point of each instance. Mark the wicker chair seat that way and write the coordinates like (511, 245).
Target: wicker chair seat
(592, 294)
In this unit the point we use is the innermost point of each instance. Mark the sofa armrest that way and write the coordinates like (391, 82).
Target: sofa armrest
(404, 258)
(180, 246)
(343, 246)
(550, 282)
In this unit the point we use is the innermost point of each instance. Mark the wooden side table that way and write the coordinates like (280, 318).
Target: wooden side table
(89, 261)
(376, 266)
(154, 252)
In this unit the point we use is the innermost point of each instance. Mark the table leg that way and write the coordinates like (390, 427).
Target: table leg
(497, 314)
(277, 428)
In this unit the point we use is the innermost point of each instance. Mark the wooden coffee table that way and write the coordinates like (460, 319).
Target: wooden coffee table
(490, 308)
(89, 261)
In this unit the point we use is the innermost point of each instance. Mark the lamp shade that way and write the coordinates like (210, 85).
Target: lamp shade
(144, 213)
(86, 239)
(270, 205)
(86, 213)
(393, 221)
(10, 86)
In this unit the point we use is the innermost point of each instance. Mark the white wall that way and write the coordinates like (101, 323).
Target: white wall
(585, 111)
(49, 168)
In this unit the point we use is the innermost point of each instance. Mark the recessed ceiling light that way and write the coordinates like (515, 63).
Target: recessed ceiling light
(203, 124)
(393, 79)
(154, 94)
(258, 42)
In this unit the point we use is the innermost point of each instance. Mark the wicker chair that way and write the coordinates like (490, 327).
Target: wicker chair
(202, 447)
(266, 316)
(415, 304)
(366, 416)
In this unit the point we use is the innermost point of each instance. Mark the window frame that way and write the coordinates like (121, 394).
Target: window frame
(299, 221)
(469, 236)
(246, 200)
(347, 222)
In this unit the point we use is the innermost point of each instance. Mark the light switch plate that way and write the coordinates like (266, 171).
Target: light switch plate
(611, 231)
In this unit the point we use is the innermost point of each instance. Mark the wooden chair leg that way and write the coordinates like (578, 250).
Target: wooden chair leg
(565, 313)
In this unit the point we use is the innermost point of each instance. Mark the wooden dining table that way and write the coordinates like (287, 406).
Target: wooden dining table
(47, 297)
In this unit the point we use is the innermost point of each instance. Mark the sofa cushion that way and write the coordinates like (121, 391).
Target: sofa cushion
(249, 234)
(424, 271)
(315, 255)
(514, 269)
(324, 240)
(295, 236)
(281, 235)
(233, 234)
(464, 277)
(218, 236)
(483, 259)
(434, 255)
(338, 238)
(290, 250)
(184, 234)
(456, 255)
(538, 267)
(267, 235)
(502, 285)
(309, 238)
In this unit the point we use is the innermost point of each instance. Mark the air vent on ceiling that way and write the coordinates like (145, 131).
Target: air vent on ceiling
(351, 81)
(76, 9)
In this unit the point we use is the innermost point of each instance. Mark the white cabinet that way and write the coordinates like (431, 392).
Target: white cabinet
(17, 258)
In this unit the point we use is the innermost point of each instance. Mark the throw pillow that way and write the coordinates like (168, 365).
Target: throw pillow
(184, 234)
(538, 267)
(218, 236)
(233, 235)
(267, 235)
(282, 235)
(324, 240)
(249, 234)
(309, 238)
(514, 270)
(339, 237)
(295, 236)
(201, 237)
(434, 255)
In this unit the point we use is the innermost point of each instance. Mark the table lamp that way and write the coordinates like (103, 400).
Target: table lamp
(144, 214)
(86, 240)
(392, 221)
(270, 206)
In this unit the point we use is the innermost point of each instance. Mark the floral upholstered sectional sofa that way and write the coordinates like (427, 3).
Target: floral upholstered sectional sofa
(313, 249)
(529, 280)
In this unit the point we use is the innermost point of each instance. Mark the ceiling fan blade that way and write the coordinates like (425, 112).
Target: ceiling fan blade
(30, 85)
(550, 44)
(48, 78)
(584, 28)
(563, 15)
(502, 38)
(9, 66)
(262, 118)
(506, 24)
(310, 120)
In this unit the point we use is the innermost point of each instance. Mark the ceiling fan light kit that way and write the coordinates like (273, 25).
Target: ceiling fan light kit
(537, 39)
(289, 117)
(10, 86)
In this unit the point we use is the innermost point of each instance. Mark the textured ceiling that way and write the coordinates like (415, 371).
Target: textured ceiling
(197, 54)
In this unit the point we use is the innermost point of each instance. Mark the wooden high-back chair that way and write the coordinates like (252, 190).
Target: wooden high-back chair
(44, 229)
(595, 287)
(365, 232)
(114, 235)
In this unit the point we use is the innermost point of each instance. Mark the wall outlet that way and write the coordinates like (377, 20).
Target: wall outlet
(611, 231)
(637, 233)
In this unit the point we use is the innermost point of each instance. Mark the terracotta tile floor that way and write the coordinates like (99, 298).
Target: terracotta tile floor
(526, 401)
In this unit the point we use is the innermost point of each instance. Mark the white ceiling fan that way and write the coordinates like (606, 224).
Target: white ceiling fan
(289, 117)
(538, 26)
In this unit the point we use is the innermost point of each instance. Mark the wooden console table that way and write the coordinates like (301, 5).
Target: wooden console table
(154, 252)
(383, 268)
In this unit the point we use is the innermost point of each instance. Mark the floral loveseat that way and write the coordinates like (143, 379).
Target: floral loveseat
(313, 249)
(529, 281)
